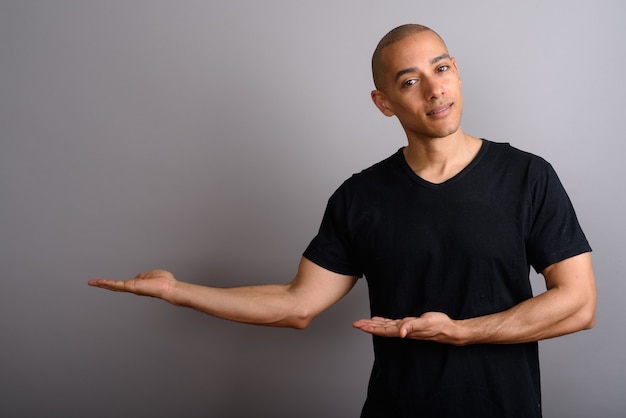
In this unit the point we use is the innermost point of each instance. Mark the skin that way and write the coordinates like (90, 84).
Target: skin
(420, 85)
(294, 305)
(422, 88)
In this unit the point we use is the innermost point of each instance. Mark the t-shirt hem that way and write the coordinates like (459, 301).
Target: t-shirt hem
(562, 255)
(324, 262)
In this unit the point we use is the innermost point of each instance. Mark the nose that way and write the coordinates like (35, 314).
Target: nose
(433, 88)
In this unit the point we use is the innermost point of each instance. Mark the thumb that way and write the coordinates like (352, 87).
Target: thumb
(406, 329)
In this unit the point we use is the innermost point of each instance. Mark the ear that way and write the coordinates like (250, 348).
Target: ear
(380, 100)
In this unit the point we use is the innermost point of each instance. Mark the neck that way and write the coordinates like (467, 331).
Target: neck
(439, 159)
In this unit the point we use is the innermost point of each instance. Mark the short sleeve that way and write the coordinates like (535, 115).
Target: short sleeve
(333, 246)
(555, 233)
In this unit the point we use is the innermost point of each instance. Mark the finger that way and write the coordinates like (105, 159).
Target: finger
(98, 282)
(375, 322)
(115, 285)
(405, 330)
(379, 320)
(365, 323)
(359, 323)
(409, 326)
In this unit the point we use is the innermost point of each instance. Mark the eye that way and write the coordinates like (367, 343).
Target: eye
(442, 68)
(410, 82)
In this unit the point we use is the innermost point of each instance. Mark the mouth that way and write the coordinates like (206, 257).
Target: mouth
(440, 111)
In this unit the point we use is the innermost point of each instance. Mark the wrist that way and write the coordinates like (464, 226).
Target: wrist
(172, 293)
(461, 333)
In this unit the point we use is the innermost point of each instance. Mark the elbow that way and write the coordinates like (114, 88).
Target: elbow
(590, 312)
(587, 316)
(292, 318)
(294, 323)
(300, 320)
(299, 324)
(588, 320)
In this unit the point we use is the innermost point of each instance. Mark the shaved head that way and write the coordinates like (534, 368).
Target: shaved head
(393, 36)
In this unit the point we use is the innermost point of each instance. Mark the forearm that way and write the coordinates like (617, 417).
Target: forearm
(294, 304)
(271, 305)
(553, 313)
(567, 306)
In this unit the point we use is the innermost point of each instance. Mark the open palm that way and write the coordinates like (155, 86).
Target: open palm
(154, 283)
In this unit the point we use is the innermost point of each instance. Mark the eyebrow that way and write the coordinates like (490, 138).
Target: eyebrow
(416, 69)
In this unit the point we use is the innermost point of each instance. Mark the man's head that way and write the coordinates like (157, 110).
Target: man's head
(393, 36)
(418, 82)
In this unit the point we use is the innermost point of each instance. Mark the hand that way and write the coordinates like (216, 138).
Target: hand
(431, 326)
(155, 283)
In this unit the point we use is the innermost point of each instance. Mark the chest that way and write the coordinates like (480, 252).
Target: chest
(419, 223)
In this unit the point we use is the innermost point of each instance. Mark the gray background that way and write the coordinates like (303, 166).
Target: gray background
(206, 137)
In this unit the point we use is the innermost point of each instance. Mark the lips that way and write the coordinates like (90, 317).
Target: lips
(440, 110)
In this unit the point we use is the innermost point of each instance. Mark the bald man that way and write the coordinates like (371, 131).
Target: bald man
(445, 232)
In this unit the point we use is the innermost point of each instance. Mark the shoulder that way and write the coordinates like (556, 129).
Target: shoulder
(503, 153)
(520, 170)
(371, 184)
(505, 149)
(376, 174)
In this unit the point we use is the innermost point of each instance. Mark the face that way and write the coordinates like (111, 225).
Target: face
(421, 87)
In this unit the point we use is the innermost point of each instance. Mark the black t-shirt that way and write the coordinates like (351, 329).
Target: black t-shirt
(463, 247)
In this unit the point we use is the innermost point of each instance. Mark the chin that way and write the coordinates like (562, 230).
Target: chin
(444, 133)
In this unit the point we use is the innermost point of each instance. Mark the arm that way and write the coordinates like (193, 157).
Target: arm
(568, 305)
(294, 304)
